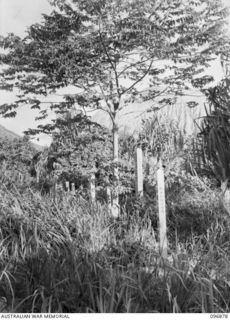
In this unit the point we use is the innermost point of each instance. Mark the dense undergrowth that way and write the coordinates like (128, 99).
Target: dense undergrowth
(67, 255)
(64, 254)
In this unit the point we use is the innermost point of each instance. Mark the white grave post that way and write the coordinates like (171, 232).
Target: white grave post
(162, 209)
(92, 187)
(109, 200)
(115, 208)
(73, 191)
(67, 186)
(139, 172)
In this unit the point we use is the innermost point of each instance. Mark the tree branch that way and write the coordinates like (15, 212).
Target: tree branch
(112, 65)
(135, 64)
(138, 80)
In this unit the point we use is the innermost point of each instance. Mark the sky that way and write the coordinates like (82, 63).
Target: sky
(16, 16)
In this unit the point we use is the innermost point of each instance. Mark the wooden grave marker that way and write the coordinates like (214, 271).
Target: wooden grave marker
(92, 187)
(73, 190)
(67, 186)
(139, 172)
(162, 210)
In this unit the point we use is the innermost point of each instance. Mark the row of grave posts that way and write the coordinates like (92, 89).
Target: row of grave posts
(139, 193)
(70, 187)
(161, 197)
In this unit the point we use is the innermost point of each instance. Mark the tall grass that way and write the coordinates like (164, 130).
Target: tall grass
(67, 255)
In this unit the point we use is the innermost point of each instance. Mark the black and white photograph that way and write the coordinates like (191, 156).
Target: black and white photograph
(114, 158)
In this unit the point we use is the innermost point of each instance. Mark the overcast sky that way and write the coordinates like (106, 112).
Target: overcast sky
(16, 16)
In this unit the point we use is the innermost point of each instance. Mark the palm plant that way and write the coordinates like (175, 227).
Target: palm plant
(215, 132)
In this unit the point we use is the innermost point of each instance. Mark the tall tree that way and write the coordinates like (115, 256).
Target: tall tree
(114, 52)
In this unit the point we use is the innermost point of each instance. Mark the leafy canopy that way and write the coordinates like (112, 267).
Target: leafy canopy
(113, 52)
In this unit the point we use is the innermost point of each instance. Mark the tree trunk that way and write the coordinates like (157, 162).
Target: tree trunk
(115, 196)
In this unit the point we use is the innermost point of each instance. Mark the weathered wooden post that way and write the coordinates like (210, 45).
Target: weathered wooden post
(108, 196)
(115, 208)
(162, 210)
(112, 203)
(92, 187)
(139, 172)
(67, 186)
(37, 174)
(73, 191)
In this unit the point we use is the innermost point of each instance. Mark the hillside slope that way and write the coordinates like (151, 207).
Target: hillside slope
(10, 135)
(5, 133)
